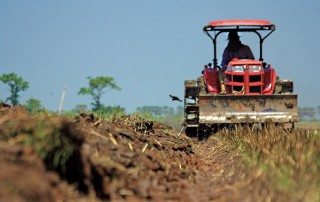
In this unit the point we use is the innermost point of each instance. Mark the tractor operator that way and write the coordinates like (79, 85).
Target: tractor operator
(235, 49)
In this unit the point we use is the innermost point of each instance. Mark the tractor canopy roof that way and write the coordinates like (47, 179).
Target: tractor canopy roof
(239, 25)
(222, 26)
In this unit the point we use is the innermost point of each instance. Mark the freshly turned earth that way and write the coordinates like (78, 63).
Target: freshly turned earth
(126, 159)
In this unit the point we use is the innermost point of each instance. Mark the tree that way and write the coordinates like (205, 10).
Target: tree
(96, 89)
(16, 84)
(33, 105)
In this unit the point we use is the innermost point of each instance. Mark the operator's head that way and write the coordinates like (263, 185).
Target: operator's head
(233, 36)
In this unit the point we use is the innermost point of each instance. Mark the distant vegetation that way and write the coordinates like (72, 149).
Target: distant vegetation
(161, 112)
(97, 87)
(34, 105)
(309, 113)
(16, 85)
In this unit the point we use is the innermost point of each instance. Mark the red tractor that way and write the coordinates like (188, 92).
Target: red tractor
(248, 91)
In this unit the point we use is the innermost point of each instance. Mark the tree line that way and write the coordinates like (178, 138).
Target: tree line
(96, 88)
(309, 113)
(161, 111)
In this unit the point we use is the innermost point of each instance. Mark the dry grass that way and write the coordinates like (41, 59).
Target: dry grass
(290, 160)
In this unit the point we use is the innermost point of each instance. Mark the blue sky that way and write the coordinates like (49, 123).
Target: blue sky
(149, 47)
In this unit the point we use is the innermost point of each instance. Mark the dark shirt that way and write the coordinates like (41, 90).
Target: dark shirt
(235, 50)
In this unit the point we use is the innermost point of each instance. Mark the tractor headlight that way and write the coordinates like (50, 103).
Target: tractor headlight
(238, 68)
(255, 68)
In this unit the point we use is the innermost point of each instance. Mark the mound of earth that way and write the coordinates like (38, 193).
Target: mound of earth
(51, 158)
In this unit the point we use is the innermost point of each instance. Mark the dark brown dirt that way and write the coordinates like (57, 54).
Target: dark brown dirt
(126, 159)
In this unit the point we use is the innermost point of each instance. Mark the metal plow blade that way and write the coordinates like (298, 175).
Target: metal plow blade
(216, 109)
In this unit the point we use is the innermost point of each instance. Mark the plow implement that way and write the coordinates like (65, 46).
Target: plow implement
(247, 109)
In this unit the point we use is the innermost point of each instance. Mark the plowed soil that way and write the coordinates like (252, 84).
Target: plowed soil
(125, 159)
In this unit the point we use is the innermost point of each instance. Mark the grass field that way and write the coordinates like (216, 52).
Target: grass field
(287, 161)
